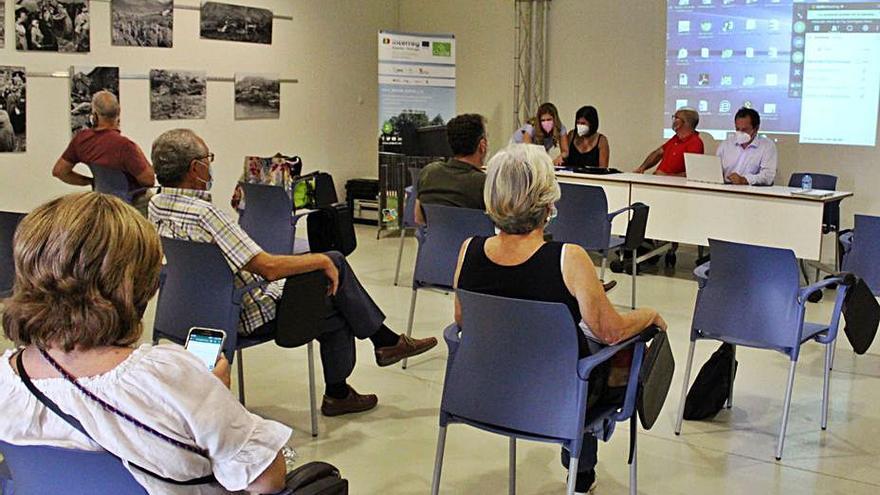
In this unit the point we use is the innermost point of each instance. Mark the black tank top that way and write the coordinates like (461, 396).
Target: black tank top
(542, 270)
(578, 159)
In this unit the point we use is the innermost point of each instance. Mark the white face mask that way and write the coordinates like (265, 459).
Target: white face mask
(583, 129)
(741, 137)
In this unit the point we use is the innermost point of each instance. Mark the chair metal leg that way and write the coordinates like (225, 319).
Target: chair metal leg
(803, 266)
(312, 396)
(604, 266)
(833, 353)
(633, 468)
(786, 406)
(732, 372)
(240, 376)
(826, 387)
(684, 387)
(635, 268)
(511, 469)
(438, 461)
(412, 314)
(399, 255)
(572, 474)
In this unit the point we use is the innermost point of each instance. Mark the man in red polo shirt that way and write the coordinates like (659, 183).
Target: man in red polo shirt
(671, 154)
(103, 145)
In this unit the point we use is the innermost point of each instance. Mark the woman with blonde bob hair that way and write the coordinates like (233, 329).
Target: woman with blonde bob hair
(520, 193)
(86, 267)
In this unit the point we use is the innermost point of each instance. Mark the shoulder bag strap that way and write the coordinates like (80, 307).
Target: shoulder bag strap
(75, 423)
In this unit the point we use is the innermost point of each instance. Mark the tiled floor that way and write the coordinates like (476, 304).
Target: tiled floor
(391, 449)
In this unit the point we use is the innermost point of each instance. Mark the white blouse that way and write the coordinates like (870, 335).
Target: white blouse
(166, 388)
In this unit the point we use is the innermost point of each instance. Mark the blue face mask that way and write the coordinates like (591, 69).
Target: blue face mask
(210, 182)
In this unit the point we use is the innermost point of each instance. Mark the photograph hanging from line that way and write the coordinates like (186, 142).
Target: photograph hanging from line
(13, 107)
(178, 94)
(2, 23)
(52, 25)
(142, 23)
(257, 96)
(222, 21)
(85, 81)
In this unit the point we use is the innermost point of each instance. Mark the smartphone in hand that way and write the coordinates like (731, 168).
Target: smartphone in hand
(206, 344)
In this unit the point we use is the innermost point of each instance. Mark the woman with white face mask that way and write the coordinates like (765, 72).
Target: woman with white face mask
(587, 147)
(547, 129)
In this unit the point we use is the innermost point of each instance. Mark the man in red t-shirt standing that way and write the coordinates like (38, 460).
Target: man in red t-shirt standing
(103, 145)
(671, 154)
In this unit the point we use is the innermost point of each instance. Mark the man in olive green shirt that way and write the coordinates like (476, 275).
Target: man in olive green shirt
(459, 181)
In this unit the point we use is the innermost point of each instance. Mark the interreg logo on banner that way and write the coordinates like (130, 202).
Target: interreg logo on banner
(416, 81)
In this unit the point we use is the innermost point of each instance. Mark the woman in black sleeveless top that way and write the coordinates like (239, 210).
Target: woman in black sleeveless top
(587, 148)
(520, 192)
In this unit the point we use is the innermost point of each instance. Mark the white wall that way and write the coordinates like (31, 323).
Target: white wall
(610, 54)
(329, 118)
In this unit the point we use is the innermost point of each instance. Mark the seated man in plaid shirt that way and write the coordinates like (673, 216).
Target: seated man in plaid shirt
(183, 210)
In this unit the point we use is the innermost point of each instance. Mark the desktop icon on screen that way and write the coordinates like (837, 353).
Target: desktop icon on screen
(727, 26)
(704, 52)
(772, 52)
(703, 79)
(727, 53)
(724, 106)
(703, 106)
(748, 80)
(769, 108)
(684, 26)
(684, 2)
(680, 104)
(682, 79)
(772, 79)
(682, 53)
(751, 24)
(706, 26)
(773, 24)
(726, 80)
(750, 52)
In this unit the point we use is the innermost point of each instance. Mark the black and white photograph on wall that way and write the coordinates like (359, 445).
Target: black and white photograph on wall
(52, 25)
(223, 21)
(2, 23)
(142, 23)
(257, 96)
(13, 105)
(85, 81)
(178, 94)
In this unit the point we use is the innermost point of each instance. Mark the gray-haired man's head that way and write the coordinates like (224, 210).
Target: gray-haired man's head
(173, 153)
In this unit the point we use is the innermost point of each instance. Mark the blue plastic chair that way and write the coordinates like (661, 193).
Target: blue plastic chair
(752, 297)
(861, 251)
(198, 290)
(448, 228)
(8, 223)
(114, 182)
(409, 215)
(514, 370)
(38, 469)
(583, 219)
(269, 218)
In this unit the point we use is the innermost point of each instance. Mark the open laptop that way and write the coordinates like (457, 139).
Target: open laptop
(703, 168)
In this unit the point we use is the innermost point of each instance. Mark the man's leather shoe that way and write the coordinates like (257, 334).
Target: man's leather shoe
(405, 347)
(354, 403)
(609, 285)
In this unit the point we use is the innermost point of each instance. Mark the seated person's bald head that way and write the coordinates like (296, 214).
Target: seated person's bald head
(105, 106)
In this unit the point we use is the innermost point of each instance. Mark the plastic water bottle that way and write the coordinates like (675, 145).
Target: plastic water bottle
(807, 182)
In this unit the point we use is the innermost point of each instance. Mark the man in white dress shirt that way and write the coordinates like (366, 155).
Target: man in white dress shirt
(748, 159)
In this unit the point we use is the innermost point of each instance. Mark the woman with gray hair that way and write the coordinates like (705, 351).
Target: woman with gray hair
(520, 193)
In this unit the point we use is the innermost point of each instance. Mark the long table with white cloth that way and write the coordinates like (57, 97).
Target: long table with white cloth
(692, 212)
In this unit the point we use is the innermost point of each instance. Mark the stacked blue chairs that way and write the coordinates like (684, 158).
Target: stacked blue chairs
(198, 290)
(861, 251)
(38, 469)
(114, 182)
(752, 297)
(270, 220)
(536, 388)
(583, 219)
(409, 216)
(448, 228)
(8, 223)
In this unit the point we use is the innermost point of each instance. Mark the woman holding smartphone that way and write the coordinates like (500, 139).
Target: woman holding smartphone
(86, 266)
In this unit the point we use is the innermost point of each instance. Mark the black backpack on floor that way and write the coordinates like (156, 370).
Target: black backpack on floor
(712, 386)
(315, 478)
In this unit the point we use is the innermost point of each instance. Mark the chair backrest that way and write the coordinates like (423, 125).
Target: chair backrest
(864, 257)
(516, 367)
(831, 212)
(751, 296)
(268, 217)
(197, 290)
(111, 181)
(448, 228)
(8, 223)
(409, 208)
(42, 469)
(582, 217)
